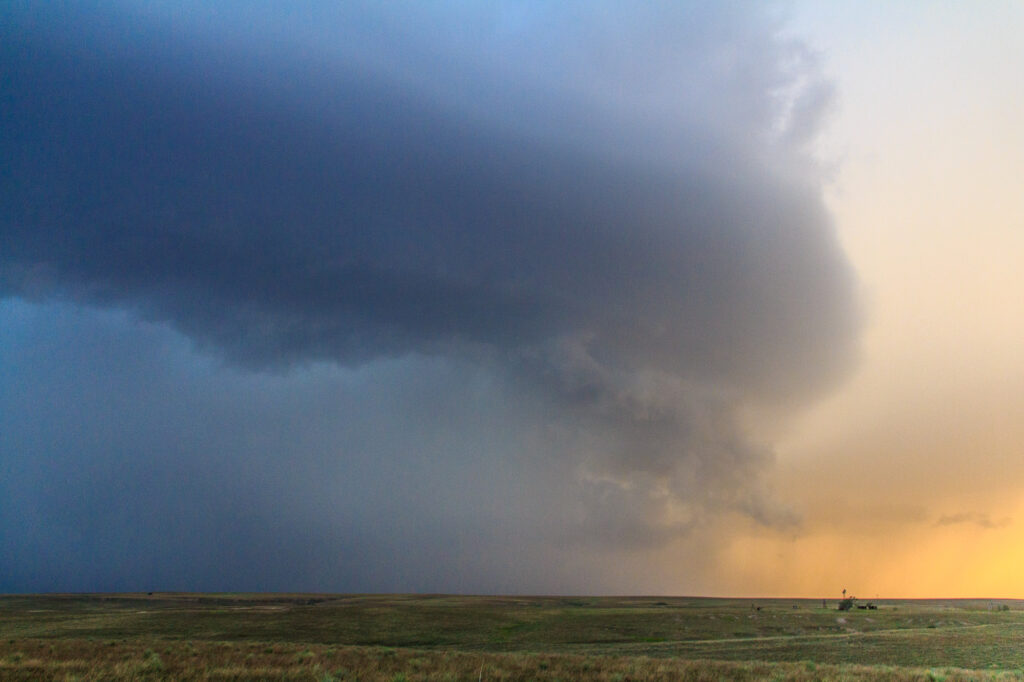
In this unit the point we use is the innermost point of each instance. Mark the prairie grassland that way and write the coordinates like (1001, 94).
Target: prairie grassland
(410, 637)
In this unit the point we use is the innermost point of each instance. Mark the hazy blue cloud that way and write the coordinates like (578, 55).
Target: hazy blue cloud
(554, 247)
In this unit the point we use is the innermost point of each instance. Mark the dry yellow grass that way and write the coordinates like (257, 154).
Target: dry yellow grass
(409, 637)
(89, 660)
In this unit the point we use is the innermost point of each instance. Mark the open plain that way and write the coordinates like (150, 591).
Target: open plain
(438, 637)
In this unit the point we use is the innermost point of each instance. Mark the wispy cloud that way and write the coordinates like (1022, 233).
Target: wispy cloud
(973, 518)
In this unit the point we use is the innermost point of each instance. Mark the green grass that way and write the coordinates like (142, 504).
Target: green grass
(243, 636)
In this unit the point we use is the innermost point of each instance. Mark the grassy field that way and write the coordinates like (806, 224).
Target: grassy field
(411, 637)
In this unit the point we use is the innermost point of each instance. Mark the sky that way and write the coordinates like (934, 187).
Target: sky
(512, 297)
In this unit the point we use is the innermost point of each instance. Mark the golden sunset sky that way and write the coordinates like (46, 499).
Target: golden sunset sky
(910, 474)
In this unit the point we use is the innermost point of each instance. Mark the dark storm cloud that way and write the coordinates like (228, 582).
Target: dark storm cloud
(595, 201)
(366, 219)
